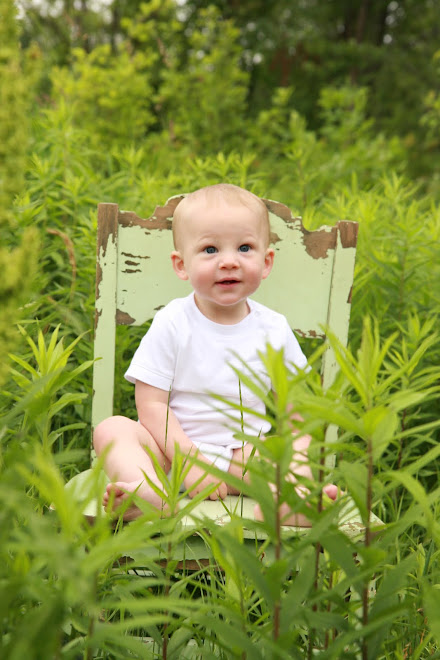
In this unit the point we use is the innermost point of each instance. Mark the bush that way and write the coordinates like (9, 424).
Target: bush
(63, 595)
(169, 124)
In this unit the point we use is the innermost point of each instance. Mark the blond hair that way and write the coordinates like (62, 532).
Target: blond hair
(219, 192)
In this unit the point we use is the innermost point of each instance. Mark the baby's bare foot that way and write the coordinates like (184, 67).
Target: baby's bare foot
(293, 519)
(118, 495)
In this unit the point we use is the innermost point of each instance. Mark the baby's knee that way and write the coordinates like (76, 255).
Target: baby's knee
(105, 432)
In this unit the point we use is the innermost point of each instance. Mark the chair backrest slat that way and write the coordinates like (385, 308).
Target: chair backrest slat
(310, 283)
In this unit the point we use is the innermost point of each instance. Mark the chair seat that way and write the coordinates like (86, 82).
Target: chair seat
(218, 512)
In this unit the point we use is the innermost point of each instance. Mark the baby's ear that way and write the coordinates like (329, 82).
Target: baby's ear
(268, 262)
(178, 265)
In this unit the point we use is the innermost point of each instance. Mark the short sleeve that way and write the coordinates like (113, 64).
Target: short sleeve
(293, 355)
(155, 359)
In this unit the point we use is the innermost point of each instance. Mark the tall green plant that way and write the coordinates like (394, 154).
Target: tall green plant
(58, 593)
(375, 401)
(214, 87)
(42, 386)
(110, 94)
(397, 264)
(17, 258)
(311, 166)
(288, 595)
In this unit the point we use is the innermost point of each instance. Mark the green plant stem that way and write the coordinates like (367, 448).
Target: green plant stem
(166, 594)
(317, 549)
(277, 605)
(327, 632)
(365, 592)
(91, 627)
(402, 427)
(89, 654)
(314, 606)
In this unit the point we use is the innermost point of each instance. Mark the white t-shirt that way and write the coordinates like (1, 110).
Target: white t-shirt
(190, 356)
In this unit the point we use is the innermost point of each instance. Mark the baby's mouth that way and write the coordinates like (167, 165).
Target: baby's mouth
(227, 282)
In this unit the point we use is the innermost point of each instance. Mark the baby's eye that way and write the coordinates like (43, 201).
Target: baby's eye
(244, 248)
(210, 249)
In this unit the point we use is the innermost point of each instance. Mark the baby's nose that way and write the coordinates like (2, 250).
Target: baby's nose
(228, 259)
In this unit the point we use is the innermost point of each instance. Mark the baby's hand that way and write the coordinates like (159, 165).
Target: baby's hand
(197, 474)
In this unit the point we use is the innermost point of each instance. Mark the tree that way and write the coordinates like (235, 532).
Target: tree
(305, 44)
(17, 260)
(204, 97)
(384, 46)
(109, 94)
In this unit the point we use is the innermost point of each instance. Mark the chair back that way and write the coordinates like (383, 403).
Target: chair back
(311, 281)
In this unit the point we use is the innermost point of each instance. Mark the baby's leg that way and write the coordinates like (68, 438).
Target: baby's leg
(126, 463)
(298, 467)
(295, 519)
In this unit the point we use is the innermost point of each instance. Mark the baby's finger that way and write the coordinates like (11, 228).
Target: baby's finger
(219, 492)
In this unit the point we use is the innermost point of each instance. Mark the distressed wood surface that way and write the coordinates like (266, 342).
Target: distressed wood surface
(219, 512)
(311, 284)
(105, 312)
(299, 285)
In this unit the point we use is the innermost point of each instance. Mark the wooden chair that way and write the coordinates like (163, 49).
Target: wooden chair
(134, 279)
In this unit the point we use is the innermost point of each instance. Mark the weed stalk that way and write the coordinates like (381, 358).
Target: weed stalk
(369, 502)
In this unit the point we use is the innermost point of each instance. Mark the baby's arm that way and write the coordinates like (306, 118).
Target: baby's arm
(300, 465)
(156, 416)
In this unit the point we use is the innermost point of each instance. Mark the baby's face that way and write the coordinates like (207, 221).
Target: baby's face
(223, 251)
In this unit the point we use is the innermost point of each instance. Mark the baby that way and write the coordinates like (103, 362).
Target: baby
(221, 238)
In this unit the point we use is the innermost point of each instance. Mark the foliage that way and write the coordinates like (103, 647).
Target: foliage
(191, 95)
(214, 86)
(116, 96)
(109, 92)
(13, 107)
(41, 385)
(386, 47)
(348, 148)
(17, 260)
(63, 595)
(431, 117)
(16, 266)
(397, 271)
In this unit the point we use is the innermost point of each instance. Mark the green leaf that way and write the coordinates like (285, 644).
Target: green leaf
(343, 553)
(236, 558)
(380, 424)
(431, 603)
(355, 476)
(406, 399)
(387, 597)
(416, 489)
(300, 588)
(25, 365)
(65, 400)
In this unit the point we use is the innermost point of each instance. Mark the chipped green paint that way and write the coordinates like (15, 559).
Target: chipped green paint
(146, 279)
(105, 313)
(310, 282)
(299, 285)
(219, 511)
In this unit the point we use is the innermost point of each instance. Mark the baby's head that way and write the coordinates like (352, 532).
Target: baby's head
(221, 236)
(220, 194)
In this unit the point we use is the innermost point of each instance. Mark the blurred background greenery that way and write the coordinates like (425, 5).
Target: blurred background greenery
(332, 107)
